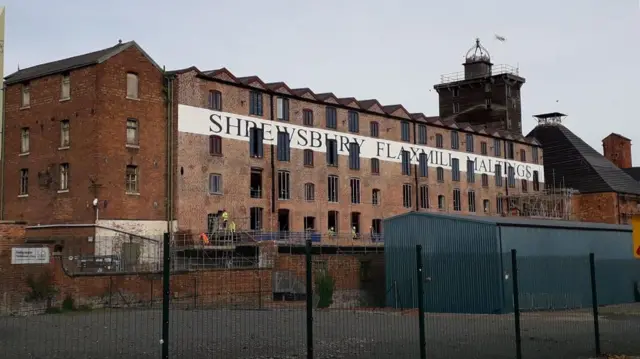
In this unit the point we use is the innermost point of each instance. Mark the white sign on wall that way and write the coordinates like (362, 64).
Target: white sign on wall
(203, 121)
(30, 255)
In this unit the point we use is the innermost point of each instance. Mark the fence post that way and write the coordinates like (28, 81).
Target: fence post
(195, 293)
(594, 302)
(309, 300)
(420, 276)
(516, 302)
(395, 293)
(259, 289)
(166, 277)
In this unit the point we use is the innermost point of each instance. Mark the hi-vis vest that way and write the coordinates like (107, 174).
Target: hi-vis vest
(204, 238)
(225, 216)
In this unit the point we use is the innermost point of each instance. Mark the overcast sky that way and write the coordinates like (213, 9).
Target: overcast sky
(578, 56)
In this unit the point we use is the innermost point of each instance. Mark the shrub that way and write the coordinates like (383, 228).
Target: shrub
(68, 304)
(325, 285)
(41, 288)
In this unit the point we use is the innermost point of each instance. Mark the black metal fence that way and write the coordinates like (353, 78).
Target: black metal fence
(305, 302)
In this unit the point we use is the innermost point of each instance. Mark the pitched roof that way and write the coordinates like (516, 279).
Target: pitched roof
(571, 162)
(634, 172)
(68, 64)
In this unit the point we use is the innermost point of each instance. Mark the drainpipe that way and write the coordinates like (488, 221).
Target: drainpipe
(273, 162)
(2, 147)
(415, 171)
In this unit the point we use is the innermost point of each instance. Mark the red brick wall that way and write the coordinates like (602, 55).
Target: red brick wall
(596, 207)
(617, 149)
(97, 112)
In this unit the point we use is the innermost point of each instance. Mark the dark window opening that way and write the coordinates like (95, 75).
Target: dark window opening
(256, 183)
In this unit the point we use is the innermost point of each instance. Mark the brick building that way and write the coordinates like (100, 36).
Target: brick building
(607, 193)
(278, 158)
(89, 142)
(85, 145)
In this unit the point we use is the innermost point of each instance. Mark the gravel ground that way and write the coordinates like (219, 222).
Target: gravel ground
(280, 334)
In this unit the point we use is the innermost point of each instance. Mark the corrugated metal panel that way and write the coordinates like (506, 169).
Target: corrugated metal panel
(462, 264)
(553, 266)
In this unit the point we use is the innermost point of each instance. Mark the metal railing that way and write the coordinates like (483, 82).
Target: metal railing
(495, 70)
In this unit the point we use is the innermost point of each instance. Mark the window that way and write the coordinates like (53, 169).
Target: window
(469, 142)
(423, 165)
(215, 100)
(282, 108)
(375, 197)
(309, 223)
(215, 183)
(64, 134)
(508, 88)
(131, 179)
(498, 175)
(132, 132)
(439, 141)
(487, 87)
(374, 129)
(499, 205)
(457, 206)
(455, 140)
(26, 95)
(355, 190)
(456, 91)
(132, 86)
(536, 181)
(332, 189)
(215, 145)
(333, 219)
(534, 154)
(523, 156)
(332, 153)
(524, 185)
(424, 197)
(64, 177)
(510, 150)
(406, 163)
(441, 202)
(375, 166)
(308, 158)
(514, 103)
(405, 132)
(256, 139)
(24, 182)
(309, 192)
(455, 169)
(24, 140)
(376, 226)
(65, 90)
(471, 199)
(354, 156)
(487, 103)
(255, 217)
(284, 185)
(511, 177)
(486, 205)
(456, 107)
(471, 174)
(255, 103)
(422, 134)
(256, 183)
(331, 117)
(307, 118)
(497, 148)
(483, 148)
(406, 195)
(354, 122)
(284, 151)
(485, 180)
(440, 174)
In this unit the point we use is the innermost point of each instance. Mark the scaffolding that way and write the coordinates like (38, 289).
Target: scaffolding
(548, 203)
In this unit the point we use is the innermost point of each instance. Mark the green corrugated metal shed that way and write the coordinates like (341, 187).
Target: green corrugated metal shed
(468, 263)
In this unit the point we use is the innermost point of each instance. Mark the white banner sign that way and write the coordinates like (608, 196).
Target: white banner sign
(228, 125)
(30, 255)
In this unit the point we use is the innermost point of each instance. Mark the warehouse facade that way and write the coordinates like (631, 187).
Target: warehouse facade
(467, 263)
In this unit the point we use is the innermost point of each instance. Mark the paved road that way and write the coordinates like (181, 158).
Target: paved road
(229, 334)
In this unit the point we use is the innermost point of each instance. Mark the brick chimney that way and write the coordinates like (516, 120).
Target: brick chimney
(617, 149)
